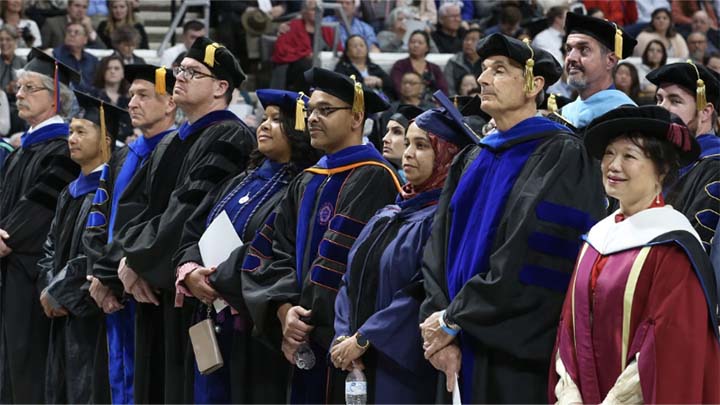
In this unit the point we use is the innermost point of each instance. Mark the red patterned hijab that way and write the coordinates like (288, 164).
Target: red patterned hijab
(444, 153)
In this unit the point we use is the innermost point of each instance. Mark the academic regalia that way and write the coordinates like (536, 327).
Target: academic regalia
(31, 181)
(183, 168)
(300, 256)
(643, 300)
(380, 298)
(501, 252)
(697, 191)
(580, 112)
(253, 372)
(71, 375)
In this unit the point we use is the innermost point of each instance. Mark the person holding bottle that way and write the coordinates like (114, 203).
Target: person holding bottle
(377, 308)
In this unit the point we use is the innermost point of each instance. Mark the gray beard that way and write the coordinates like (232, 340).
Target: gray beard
(577, 83)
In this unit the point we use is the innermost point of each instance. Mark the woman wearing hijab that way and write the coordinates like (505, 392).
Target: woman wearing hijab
(252, 373)
(639, 324)
(376, 321)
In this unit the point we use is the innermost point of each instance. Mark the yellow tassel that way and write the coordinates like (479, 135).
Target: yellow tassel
(300, 113)
(552, 103)
(700, 95)
(104, 148)
(529, 65)
(455, 101)
(160, 80)
(359, 99)
(618, 42)
(210, 54)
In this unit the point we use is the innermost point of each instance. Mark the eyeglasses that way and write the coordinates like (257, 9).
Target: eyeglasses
(73, 33)
(189, 73)
(324, 111)
(29, 88)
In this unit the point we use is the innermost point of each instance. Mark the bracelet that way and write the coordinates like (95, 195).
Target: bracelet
(340, 339)
(447, 329)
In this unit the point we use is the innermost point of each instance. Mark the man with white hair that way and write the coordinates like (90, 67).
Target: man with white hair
(449, 34)
(701, 22)
(32, 178)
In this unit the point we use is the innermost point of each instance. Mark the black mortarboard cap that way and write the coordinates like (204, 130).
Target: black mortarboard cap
(40, 62)
(347, 89)
(608, 33)
(452, 118)
(105, 115)
(649, 120)
(405, 113)
(543, 63)
(216, 57)
(687, 75)
(162, 77)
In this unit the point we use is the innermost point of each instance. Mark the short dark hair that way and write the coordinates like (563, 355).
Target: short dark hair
(125, 34)
(510, 14)
(425, 35)
(193, 25)
(645, 60)
(471, 30)
(662, 153)
(709, 56)
(555, 12)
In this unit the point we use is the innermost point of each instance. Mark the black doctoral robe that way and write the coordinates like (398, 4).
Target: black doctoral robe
(257, 372)
(30, 184)
(170, 186)
(697, 191)
(75, 373)
(343, 192)
(509, 310)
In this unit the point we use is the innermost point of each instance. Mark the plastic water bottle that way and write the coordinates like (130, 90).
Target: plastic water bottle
(356, 388)
(304, 357)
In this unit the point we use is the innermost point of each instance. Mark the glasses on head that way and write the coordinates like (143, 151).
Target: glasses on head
(29, 88)
(323, 111)
(189, 73)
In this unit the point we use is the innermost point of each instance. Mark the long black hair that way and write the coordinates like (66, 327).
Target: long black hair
(302, 154)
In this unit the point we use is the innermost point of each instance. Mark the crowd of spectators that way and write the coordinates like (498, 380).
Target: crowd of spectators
(666, 30)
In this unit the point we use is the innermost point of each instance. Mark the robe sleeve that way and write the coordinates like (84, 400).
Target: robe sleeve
(677, 317)
(46, 264)
(150, 245)
(435, 252)
(365, 192)
(268, 270)
(557, 197)
(342, 309)
(69, 288)
(701, 204)
(32, 214)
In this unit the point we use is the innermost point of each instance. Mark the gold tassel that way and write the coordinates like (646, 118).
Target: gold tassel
(618, 42)
(359, 99)
(104, 147)
(160, 80)
(700, 94)
(300, 113)
(529, 65)
(552, 103)
(455, 101)
(210, 54)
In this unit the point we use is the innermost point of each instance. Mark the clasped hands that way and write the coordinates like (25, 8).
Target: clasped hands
(346, 353)
(136, 286)
(440, 348)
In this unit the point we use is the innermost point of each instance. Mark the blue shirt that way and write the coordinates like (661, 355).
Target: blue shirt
(357, 27)
(86, 65)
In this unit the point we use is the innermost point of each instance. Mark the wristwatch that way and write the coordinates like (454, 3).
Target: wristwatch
(361, 341)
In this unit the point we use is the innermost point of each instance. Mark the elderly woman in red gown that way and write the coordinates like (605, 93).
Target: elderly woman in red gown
(639, 324)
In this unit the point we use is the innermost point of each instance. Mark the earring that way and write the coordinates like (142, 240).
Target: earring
(657, 197)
